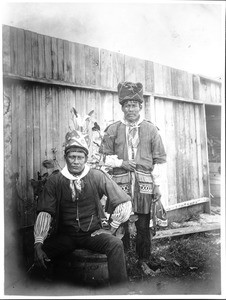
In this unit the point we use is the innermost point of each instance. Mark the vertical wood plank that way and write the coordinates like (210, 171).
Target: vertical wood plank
(199, 151)
(92, 66)
(189, 85)
(166, 78)
(117, 112)
(48, 58)
(54, 56)
(13, 50)
(174, 82)
(34, 48)
(6, 49)
(79, 64)
(149, 77)
(8, 140)
(188, 188)
(22, 181)
(106, 68)
(43, 137)
(67, 62)
(49, 120)
(193, 153)
(158, 80)
(111, 68)
(171, 152)
(181, 185)
(41, 56)
(61, 136)
(196, 87)
(21, 50)
(15, 128)
(203, 138)
(134, 69)
(29, 154)
(161, 124)
(60, 51)
(28, 55)
(37, 133)
(72, 59)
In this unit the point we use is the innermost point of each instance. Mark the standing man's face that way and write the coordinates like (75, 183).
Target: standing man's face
(131, 110)
(75, 161)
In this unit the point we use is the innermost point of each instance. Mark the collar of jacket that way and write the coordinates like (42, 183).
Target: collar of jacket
(134, 124)
(68, 175)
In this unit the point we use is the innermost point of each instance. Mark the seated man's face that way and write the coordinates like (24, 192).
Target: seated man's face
(131, 110)
(75, 161)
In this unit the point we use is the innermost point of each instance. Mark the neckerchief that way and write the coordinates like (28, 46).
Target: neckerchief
(75, 181)
(132, 136)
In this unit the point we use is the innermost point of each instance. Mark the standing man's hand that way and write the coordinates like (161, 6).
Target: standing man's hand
(156, 192)
(129, 165)
(40, 256)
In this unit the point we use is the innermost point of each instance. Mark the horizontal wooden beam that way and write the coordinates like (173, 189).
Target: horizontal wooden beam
(188, 203)
(178, 99)
(169, 233)
(10, 76)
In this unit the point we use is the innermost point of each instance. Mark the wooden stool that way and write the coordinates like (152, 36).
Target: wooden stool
(85, 266)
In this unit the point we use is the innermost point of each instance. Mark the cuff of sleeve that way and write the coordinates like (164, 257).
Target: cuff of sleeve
(39, 239)
(118, 163)
(115, 224)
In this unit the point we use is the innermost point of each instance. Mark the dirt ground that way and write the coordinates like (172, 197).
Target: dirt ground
(181, 265)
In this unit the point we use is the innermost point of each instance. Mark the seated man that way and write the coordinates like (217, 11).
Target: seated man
(70, 204)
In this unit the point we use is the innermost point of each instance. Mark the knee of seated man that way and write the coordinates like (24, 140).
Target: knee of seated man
(116, 242)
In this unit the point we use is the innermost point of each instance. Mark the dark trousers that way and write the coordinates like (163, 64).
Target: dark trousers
(103, 243)
(143, 238)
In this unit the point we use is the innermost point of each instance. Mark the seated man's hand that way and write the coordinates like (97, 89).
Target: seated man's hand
(129, 165)
(100, 231)
(40, 256)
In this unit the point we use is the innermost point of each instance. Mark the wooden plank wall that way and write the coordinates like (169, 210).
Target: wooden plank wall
(181, 127)
(75, 75)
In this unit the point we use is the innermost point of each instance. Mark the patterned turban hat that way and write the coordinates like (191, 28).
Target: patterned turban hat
(130, 91)
(75, 141)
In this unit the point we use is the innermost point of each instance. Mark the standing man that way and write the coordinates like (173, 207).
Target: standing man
(134, 149)
(70, 202)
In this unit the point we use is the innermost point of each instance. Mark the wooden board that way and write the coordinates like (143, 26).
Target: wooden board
(37, 133)
(23, 47)
(171, 151)
(158, 80)
(54, 58)
(41, 56)
(149, 77)
(66, 60)
(60, 59)
(47, 57)
(13, 50)
(134, 69)
(111, 68)
(170, 233)
(79, 64)
(6, 49)
(28, 54)
(29, 134)
(92, 66)
(34, 47)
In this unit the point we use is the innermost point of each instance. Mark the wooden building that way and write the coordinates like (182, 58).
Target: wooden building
(44, 77)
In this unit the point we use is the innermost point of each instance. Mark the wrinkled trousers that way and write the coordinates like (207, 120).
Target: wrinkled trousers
(102, 243)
